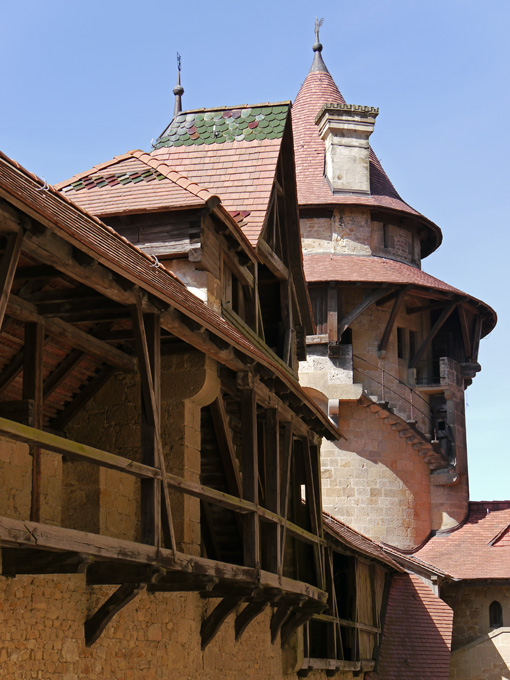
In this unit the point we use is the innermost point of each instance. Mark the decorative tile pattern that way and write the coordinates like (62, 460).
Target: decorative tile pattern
(113, 179)
(218, 126)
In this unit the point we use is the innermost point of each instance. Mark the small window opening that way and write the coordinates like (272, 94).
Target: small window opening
(495, 614)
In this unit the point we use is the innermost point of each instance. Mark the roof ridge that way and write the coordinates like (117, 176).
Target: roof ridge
(286, 102)
(165, 169)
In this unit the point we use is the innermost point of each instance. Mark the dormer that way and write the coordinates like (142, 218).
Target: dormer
(345, 130)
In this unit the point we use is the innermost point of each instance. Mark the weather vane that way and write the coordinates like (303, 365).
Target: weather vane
(318, 24)
(179, 59)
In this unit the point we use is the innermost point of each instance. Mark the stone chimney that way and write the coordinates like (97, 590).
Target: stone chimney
(345, 129)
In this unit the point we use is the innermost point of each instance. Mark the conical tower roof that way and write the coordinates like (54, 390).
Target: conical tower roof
(314, 190)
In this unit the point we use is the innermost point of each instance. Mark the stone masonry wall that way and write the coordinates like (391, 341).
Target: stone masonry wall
(374, 481)
(16, 482)
(346, 232)
(471, 610)
(479, 652)
(156, 637)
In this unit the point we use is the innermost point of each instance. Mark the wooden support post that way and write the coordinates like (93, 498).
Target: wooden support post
(8, 269)
(212, 623)
(151, 488)
(477, 334)
(284, 498)
(250, 471)
(96, 624)
(465, 331)
(432, 334)
(151, 409)
(33, 389)
(367, 302)
(332, 312)
(272, 543)
(313, 501)
(293, 622)
(226, 447)
(392, 318)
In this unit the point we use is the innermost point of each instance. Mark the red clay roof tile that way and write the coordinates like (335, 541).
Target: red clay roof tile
(416, 639)
(318, 89)
(468, 552)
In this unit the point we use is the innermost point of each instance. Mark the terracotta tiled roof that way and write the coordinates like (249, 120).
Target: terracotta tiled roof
(467, 551)
(357, 541)
(318, 89)
(134, 182)
(329, 267)
(416, 637)
(371, 269)
(241, 173)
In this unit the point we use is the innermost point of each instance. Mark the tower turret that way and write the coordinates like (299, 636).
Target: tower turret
(394, 348)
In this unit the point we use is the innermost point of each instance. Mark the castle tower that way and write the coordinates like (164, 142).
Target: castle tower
(394, 347)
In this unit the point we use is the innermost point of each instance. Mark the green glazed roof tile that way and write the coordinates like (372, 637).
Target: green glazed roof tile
(229, 124)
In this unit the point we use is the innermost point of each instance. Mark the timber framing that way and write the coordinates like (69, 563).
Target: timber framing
(80, 304)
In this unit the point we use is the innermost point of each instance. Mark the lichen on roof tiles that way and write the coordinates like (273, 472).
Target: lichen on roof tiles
(227, 125)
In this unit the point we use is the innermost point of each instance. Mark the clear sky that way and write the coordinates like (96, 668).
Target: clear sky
(82, 82)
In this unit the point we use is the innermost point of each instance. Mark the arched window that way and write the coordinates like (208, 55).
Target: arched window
(495, 614)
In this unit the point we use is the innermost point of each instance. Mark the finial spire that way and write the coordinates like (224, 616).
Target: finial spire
(318, 63)
(178, 89)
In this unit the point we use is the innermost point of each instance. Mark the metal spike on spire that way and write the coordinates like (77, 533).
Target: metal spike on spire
(178, 89)
(318, 63)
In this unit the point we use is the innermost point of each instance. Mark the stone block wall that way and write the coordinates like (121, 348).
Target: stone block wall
(471, 610)
(156, 637)
(346, 232)
(374, 481)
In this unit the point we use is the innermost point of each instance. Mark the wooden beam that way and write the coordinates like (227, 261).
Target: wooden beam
(28, 561)
(151, 488)
(280, 615)
(251, 535)
(63, 370)
(273, 532)
(96, 624)
(432, 334)
(285, 493)
(74, 450)
(249, 613)
(12, 370)
(425, 308)
(33, 390)
(82, 398)
(226, 447)
(464, 326)
(272, 261)
(367, 302)
(76, 338)
(293, 622)
(392, 318)
(8, 268)
(213, 622)
(332, 312)
(152, 412)
(477, 334)
(113, 573)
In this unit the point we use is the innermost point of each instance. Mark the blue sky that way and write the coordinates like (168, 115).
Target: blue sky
(82, 82)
